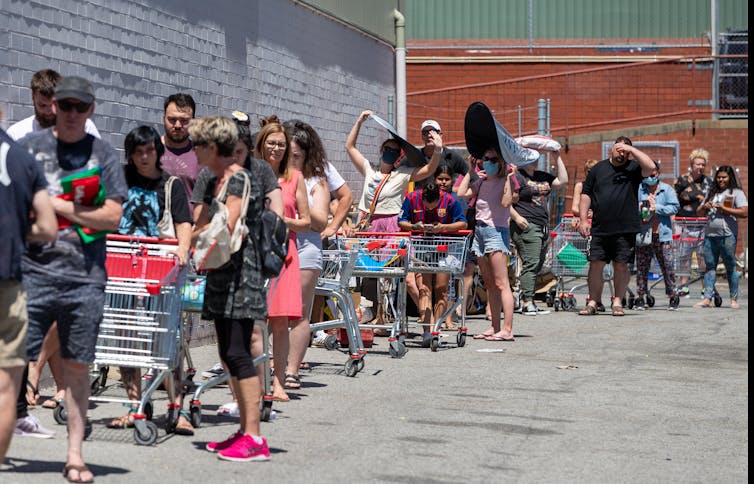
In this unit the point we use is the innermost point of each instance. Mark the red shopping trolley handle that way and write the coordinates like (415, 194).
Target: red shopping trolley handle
(449, 232)
(380, 234)
(690, 219)
(141, 240)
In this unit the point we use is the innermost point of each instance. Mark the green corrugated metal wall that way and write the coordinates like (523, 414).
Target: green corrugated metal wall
(569, 19)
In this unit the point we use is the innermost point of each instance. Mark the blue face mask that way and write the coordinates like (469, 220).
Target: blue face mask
(490, 167)
(651, 180)
(389, 157)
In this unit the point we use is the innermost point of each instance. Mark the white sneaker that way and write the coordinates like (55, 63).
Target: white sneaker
(214, 371)
(30, 426)
(319, 338)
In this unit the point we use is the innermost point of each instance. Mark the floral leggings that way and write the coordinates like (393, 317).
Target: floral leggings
(664, 254)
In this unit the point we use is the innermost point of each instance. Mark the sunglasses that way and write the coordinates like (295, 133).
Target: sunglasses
(66, 106)
(426, 132)
(395, 151)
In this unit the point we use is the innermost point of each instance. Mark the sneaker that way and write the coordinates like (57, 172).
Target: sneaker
(674, 302)
(246, 449)
(683, 291)
(225, 444)
(529, 310)
(640, 304)
(216, 370)
(318, 339)
(30, 426)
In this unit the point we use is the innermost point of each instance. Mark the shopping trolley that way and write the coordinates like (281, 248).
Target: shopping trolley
(335, 283)
(382, 256)
(443, 253)
(141, 325)
(688, 236)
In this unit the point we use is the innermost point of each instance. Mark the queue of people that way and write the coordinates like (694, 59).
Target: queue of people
(173, 185)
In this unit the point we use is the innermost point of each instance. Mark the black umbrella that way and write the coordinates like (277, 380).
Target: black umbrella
(413, 155)
(482, 132)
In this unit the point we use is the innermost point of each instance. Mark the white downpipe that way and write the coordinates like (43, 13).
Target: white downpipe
(400, 72)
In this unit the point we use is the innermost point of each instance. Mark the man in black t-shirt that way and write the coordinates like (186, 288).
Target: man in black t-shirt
(611, 190)
(458, 165)
(22, 192)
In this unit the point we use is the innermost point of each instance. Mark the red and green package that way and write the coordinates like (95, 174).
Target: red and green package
(84, 188)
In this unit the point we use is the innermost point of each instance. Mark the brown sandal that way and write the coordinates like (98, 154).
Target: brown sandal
(589, 310)
(618, 310)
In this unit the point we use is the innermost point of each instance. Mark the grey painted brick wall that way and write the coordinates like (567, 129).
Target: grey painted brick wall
(261, 56)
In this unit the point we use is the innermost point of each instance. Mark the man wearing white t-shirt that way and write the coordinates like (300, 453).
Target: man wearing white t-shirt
(43, 84)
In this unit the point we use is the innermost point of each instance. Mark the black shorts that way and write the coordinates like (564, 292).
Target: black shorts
(609, 248)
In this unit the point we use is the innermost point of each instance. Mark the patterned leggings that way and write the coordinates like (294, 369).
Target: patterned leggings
(664, 254)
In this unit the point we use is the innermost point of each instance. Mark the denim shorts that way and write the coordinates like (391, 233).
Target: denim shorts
(78, 309)
(488, 239)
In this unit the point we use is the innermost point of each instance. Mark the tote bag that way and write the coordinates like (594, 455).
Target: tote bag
(215, 245)
(165, 226)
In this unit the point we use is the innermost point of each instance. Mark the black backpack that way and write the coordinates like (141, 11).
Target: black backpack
(272, 242)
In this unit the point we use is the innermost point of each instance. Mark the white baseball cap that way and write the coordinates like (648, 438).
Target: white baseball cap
(431, 123)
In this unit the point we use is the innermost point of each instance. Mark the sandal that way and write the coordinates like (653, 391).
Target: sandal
(52, 403)
(124, 422)
(618, 310)
(589, 310)
(292, 382)
(451, 326)
(183, 425)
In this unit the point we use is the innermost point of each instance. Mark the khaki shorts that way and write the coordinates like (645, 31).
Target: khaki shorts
(13, 324)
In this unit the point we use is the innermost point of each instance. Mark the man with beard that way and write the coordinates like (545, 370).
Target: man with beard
(43, 84)
(611, 190)
(179, 158)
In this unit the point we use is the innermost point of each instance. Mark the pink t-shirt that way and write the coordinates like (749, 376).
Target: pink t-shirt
(183, 164)
(489, 210)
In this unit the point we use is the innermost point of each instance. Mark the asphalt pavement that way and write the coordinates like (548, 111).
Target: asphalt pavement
(654, 396)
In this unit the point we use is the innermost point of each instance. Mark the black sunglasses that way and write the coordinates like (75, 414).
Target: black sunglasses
(66, 106)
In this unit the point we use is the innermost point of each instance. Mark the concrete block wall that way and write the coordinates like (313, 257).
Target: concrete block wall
(261, 56)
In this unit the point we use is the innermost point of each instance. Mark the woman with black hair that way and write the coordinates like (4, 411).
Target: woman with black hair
(150, 190)
(724, 204)
(432, 211)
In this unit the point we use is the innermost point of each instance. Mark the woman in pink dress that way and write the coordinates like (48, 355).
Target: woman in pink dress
(284, 294)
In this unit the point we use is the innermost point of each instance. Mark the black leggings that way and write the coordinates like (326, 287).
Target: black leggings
(234, 345)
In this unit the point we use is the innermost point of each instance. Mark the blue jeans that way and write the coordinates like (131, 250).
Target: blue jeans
(714, 249)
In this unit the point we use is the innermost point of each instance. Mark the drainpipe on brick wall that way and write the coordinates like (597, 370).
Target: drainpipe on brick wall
(400, 72)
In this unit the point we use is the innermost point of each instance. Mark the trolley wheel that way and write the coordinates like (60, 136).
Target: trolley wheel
(434, 344)
(195, 412)
(718, 300)
(360, 363)
(352, 367)
(650, 301)
(631, 302)
(397, 349)
(265, 410)
(149, 437)
(556, 304)
(550, 299)
(171, 419)
(331, 342)
(60, 414)
(95, 388)
(461, 339)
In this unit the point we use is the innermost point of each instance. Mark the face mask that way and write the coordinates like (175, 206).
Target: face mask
(490, 167)
(651, 180)
(389, 158)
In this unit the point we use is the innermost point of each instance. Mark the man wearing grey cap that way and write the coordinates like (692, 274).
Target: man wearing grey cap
(65, 280)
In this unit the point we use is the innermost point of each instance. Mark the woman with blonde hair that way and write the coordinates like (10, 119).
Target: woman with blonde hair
(284, 299)
(234, 296)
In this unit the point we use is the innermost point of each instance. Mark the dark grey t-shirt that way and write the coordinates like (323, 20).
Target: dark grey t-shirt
(68, 258)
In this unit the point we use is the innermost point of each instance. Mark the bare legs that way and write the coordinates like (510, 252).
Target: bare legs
(76, 384)
(494, 269)
(300, 333)
(280, 349)
(10, 384)
(248, 392)
(49, 353)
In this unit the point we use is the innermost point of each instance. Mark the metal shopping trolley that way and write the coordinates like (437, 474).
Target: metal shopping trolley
(383, 256)
(141, 326)
(442, 254)
(335, 283)
(688, 252)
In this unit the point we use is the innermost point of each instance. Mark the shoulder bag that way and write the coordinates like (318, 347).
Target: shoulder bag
(165, 226)
(215, 245)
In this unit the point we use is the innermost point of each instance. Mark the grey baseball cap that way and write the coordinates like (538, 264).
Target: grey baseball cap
(74, 87)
